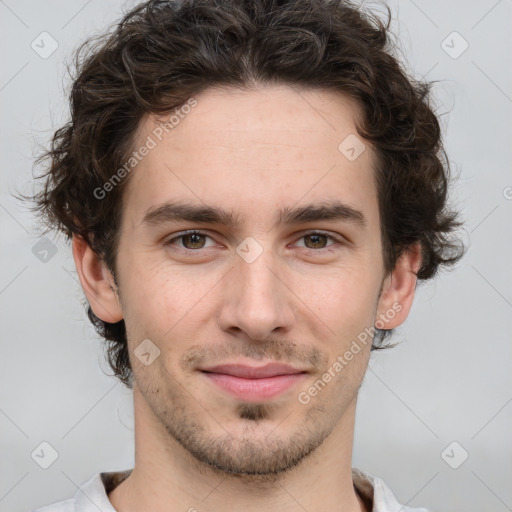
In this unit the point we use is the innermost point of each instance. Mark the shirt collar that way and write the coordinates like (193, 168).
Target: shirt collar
(376, 495)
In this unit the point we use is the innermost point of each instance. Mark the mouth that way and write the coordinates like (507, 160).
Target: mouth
(254, 383)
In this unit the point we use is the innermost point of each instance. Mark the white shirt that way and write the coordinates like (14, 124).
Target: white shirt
(92, 495)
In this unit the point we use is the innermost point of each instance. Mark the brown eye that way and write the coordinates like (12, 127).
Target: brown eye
(318, 240)
(193, 241)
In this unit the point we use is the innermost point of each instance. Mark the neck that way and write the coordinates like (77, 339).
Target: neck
(167, 478)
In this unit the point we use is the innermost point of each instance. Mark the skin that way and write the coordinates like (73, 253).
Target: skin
(303, 301)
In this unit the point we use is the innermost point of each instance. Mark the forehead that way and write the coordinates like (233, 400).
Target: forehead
(254, 151)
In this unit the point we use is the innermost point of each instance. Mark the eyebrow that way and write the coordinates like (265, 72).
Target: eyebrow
(327, 211)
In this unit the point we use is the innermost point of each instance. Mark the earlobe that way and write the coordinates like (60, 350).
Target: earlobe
(97, 282)
(398, 290)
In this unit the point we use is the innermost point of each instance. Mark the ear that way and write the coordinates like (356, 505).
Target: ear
(398, 289)
(97, 282)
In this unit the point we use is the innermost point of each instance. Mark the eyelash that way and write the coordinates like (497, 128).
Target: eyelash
(196, 251)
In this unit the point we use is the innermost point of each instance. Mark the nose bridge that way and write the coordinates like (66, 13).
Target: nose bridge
(257, 278)
(256, 300)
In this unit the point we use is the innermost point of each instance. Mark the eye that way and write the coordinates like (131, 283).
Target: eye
(190, 240)
(318, 240)
(193, 241)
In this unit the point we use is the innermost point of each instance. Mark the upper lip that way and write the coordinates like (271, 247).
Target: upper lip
(253, 372)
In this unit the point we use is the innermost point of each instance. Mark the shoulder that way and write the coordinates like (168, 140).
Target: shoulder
(377, 494)
(62, 506)
(91, 496)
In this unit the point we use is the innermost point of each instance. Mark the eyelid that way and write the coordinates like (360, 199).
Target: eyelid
(182, 234)
(337, 239)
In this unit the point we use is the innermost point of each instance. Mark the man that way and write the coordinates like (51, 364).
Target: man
(252, 190)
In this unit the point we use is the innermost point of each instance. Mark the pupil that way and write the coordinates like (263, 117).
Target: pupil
(315, 239)
(194, 239)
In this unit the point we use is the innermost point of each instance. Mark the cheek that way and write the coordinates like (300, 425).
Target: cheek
(159, 301)
(344, 298)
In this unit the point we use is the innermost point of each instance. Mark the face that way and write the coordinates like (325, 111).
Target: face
(285, 266)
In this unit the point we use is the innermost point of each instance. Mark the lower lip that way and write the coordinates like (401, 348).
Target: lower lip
(255, 389)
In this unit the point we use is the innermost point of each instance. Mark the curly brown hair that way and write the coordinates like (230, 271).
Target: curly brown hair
(164, 52)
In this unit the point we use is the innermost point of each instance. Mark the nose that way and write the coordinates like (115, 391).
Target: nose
(256, 299)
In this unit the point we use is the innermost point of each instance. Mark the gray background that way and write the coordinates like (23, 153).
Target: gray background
(449, 380)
